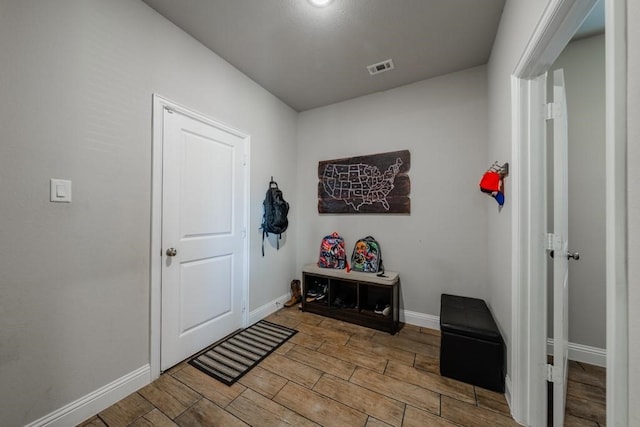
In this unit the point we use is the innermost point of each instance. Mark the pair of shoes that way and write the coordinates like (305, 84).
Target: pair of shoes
(318, 293)
(322, 292)
(386, 310)
(296, 294)
(311, 296)
(381, 306)
(316, 297)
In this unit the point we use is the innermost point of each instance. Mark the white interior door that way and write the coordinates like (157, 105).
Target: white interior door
(203, 207)
(560, 247)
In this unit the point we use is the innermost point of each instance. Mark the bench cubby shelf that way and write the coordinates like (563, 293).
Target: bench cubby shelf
(353, 297)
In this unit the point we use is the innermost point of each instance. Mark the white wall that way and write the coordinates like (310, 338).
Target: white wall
(583, 64)
(519, 19)
(76, 84)
(633, 160)
(441, 246)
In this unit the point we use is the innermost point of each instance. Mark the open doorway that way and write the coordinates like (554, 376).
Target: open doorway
(558, 24)
(583, 65)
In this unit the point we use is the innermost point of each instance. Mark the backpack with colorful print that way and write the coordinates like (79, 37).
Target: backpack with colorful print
(367, 256)
(332, 252)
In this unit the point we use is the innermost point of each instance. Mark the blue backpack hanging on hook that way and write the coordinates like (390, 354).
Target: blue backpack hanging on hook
(274, 218)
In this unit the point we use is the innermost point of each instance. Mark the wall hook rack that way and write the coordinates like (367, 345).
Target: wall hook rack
(502, 170)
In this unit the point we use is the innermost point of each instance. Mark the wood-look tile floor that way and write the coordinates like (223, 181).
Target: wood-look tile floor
(586, 395)
(333, 373)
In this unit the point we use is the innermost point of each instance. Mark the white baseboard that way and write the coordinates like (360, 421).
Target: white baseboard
(268, 308)
(420, 319)
(578, 352)
(100, 399)
(507, 390)
(583, 353)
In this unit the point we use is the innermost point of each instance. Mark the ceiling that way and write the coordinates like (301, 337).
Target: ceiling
(310, 57)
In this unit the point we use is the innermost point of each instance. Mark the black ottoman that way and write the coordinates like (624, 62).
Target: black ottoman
(471, 347)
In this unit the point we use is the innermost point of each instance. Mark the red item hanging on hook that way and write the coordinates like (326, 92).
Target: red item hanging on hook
(490, 182)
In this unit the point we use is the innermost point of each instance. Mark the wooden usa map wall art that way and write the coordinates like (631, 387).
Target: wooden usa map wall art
(377, 183)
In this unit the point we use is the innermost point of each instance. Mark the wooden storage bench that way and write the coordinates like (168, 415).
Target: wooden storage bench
(471, 347)
(353, 297)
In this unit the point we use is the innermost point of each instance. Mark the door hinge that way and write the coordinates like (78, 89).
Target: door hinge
(553, 374)
(244, 233)
(551, 111)
(553, 243)
(244, 160)
(168, 110)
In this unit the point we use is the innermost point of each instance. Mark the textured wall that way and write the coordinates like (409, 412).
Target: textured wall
(77, 82)
(441, 246)
(518, 22)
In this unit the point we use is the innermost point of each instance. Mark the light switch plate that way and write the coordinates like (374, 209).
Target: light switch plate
(60, 190)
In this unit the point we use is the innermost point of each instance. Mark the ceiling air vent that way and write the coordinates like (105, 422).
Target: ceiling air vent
(380, 67)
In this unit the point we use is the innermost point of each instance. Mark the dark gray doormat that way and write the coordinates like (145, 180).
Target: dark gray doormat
(232, 357)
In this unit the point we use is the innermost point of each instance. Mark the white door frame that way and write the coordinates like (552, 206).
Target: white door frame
(559, 21)
(159, 104)
(616, 213)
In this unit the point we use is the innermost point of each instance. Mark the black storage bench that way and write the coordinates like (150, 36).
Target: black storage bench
(471, 347)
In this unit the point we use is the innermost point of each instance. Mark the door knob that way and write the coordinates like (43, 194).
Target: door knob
(573, 255)
(171, 252)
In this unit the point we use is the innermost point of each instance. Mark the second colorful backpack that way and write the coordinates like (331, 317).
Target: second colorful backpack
(367, 255)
